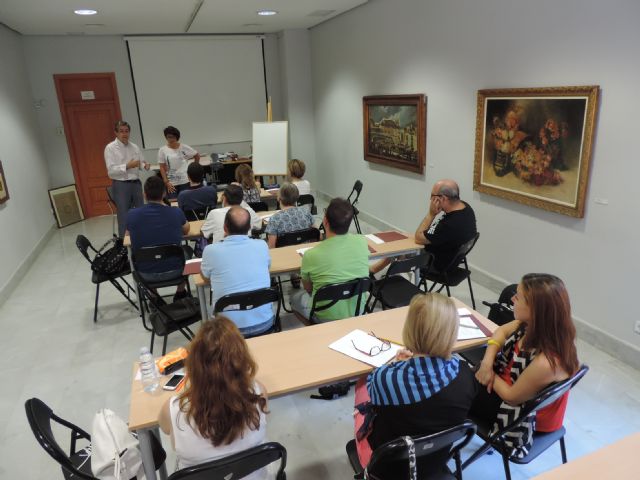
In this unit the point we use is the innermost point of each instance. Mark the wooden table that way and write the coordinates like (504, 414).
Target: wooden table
(616, 461)
(287, 260)
(291, 361)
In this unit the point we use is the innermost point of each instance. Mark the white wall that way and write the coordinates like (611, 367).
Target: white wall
(295, 53)
(48, 55)
(26, 217)
(450, 49)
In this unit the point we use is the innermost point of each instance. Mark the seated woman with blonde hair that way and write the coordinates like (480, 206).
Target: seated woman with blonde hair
(222, 408)
(425, 391)
(525, 356)
(296, 169)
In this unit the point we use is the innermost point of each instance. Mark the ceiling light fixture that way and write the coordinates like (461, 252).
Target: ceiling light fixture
(267, 13)
(85, 11)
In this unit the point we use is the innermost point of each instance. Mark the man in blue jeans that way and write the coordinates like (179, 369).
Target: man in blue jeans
(239, 264)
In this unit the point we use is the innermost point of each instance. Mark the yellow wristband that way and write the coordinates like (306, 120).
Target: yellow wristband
(494, 342)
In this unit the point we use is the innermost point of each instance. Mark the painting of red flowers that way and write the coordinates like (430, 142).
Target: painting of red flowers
(533, 145)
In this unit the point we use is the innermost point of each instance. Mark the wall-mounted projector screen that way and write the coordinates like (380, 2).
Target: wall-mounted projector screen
(270, 148)
(211, 88)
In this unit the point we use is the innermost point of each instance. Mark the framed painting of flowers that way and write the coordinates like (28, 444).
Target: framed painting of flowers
(533, 145)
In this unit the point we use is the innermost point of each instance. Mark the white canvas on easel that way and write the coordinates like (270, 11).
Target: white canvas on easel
(270, 155)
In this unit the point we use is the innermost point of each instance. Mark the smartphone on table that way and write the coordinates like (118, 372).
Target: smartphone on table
(174, 382)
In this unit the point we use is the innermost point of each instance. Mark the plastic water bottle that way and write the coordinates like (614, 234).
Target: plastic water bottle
(148, 371)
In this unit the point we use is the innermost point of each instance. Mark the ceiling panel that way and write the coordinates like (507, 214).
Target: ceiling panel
(56, 17)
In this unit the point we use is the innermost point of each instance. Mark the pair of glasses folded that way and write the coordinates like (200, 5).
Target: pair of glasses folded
(376, 349)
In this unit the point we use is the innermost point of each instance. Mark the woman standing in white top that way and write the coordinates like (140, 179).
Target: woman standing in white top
(222, 409)
(296, 172)
(173, 159)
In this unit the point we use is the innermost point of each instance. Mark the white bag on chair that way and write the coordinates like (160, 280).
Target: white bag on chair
(114, 450)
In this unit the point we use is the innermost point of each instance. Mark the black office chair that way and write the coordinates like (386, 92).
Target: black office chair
(84, 245)
(307, 199)
(500, 312)
(238, 465)
(355, 192)
(194, 214)
(258, 206)
(394, 290)
(174, 254)
(328, 295)
(166, 318)
(541, 440)
(297, 237)
(453, 274)
(242, 301)
(76, 464)
(391, 460)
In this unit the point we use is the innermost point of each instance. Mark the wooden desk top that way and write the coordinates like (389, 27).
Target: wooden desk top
(298, 359)
(194, 232)
(618, 460)
(286, 259)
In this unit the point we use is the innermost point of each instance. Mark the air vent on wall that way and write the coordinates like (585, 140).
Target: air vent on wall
(321, 13)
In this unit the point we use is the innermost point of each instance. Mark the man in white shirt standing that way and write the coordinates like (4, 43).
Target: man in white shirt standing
(124, 161)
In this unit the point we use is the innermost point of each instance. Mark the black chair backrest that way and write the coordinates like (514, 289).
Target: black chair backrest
(299, 236)
(194, 214)
(258, 206)
(238, 465)
(39, 416)
(336, 292)
(546, 397)
(409, 264)
(357, 188)
(501, 312)
(395, 451)
(158, 253)
(84, 245)
(507, 294)
(248, 300)
(306, 199)
(462, 252)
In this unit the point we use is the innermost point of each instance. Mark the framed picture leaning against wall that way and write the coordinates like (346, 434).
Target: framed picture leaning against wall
(4, 192)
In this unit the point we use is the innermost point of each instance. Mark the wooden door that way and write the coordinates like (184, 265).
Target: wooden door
(89, 106)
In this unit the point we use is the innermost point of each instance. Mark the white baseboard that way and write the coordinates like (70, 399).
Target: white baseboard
(21, 271)
(591, 334)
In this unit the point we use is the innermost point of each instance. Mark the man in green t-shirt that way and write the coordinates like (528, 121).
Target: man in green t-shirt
(339, 258)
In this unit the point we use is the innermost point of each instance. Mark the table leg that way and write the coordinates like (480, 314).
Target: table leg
(144, 437)
(202, 298)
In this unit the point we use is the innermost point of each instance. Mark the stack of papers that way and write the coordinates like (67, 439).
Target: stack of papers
(365, 342)
(468, 329)
(302, 250)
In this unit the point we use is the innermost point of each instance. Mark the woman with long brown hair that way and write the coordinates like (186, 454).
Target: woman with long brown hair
(246, 179)
(222, 408)
(525, 356)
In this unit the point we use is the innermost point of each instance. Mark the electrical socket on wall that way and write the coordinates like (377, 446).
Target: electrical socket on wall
(636, 327)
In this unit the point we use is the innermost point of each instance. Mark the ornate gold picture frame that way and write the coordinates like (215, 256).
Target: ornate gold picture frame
(533, 145)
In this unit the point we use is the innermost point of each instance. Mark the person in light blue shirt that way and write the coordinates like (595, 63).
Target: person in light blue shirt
(239, 264)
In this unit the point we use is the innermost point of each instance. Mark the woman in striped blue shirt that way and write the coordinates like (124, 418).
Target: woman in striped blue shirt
(426, 390)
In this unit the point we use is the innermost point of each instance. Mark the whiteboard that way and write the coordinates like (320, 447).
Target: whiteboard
(270, 148)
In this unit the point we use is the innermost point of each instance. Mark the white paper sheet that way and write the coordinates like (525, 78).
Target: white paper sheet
(194, 260)
(374, 239)
(365, 342)
(464, 312)
(301, 251)
(468, 329)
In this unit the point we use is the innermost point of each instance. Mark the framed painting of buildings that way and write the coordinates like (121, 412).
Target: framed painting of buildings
(533, 145)
(395, 129)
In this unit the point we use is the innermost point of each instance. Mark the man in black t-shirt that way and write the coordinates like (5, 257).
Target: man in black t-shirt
(449, 223)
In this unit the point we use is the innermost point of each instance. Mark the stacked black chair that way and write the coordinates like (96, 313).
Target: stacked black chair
(355, 193)
(238, 465)
(243, 301)
(328, 295)
(391, 460)
(76, 464)
(541, 440)
(394, 290)
(84, 245)
(453, 274)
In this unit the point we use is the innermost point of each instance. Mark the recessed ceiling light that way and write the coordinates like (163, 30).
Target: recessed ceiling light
(85, 11)
(267, 13)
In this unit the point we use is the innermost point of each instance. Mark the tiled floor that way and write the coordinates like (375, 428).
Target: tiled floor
(54, 351)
